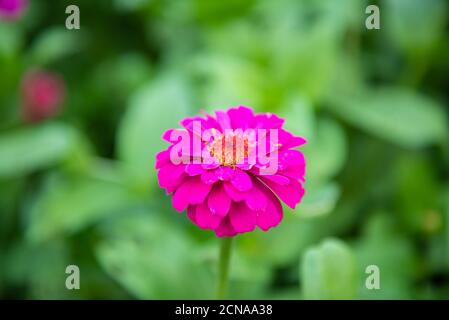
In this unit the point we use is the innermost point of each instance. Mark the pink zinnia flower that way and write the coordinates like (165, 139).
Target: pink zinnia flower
(11, 9)
(42, 94)
(231, 171)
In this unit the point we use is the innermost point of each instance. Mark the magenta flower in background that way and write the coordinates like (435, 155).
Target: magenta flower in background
(233, 170)
(42, 95)
(12, 9)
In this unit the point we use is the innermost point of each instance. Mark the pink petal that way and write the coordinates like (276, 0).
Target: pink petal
(241, 117)
(225, 229)
(205, 219)
(209, 177)
(210, 166)
(233, 193)
(200, 125)
(256, 199)
(218, 201)
(193, 191)
(162, 158)
(290, 194)
(242, 218)
(295, 172)
(225, 173)
(199, 191)
(183, 147)
(241, 180)
(244, 166)
(279, 179)
(191, 213)
(194, 169)
(167, 134)
(171, 175)
(212, 122)
(272, 215)
(290, 158)
(268, 121)
(223, 120)
(288, 140)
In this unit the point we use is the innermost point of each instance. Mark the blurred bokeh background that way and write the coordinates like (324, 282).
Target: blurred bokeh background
(82, 111)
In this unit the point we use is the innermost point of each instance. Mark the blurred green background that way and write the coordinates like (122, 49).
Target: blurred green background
(80, 188)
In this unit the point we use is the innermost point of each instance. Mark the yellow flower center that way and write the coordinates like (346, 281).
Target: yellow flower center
(230, 149)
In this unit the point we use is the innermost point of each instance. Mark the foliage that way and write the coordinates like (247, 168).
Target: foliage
(373, 105)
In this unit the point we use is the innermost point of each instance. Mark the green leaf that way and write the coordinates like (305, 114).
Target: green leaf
(38, 268)
(155, 108)
(56, 43)
(428, 19)
(307, 64)
(299, 117)
(414, 175)
(245, 281)
(325, 151)
(230, 81)
(10, 193)
(383, 245)
(282, 245)
(329, 271)
(319, 200)
(121, 75)
(12, 40)
(129, 5)
(152, 258)
(446, 216)
(68, 204)
(398, 115)
(25, 150)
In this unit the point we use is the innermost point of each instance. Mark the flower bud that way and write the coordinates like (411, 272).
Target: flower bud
(42, 95)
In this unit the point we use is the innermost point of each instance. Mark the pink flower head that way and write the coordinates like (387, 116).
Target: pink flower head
(11, 9)
(42, 93)
(231, 171)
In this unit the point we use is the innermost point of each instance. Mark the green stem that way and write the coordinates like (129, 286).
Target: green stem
(223, 266)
